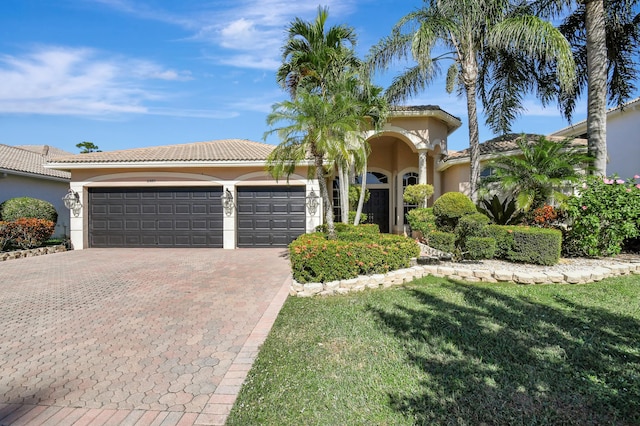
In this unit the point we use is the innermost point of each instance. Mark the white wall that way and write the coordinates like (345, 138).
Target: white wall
(623, 143)
(12, 186)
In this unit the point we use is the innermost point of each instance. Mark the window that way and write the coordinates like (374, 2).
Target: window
(410, 178)
(374, 178)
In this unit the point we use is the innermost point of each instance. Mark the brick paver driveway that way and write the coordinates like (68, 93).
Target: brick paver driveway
(133, 336)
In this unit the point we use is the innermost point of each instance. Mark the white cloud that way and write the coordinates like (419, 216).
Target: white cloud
(79, 81)
(254, 27)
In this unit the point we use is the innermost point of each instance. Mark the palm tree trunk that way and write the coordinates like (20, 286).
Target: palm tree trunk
(363, 188)
(474, 139)
(597, 84)
(324, 193)
(344, 192)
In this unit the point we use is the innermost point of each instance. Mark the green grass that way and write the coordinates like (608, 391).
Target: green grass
(445, 352)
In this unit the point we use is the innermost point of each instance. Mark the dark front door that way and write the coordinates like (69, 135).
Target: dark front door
(377, 209)
(155, 217)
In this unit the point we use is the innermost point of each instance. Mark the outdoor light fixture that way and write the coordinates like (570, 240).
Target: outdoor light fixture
(227, 202)
(72, 202)
(312, 203)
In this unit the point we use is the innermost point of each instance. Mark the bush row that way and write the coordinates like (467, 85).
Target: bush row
(314, 258)
(25, 233)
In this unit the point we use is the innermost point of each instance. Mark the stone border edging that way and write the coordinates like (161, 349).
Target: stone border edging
(38, 251)
(402, 276)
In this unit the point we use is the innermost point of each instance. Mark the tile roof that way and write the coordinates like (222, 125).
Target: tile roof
(21, 159)
(507, 143)
(46, 150)
(218, 150)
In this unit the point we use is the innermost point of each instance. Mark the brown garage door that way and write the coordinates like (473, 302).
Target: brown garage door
(155, 217)
(270, 216)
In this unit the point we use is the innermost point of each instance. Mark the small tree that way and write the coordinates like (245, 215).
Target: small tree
(87, 147)
(418, 194)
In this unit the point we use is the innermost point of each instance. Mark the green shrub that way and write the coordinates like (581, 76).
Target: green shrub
(503, 236)
(444, 241)
(367, 228)
(480, 248)
(27, 233)
(16, 208)
(540, 246)
(422, 220)
(471, 225)
(418, 194)
(604, 214)
(536, 245)
(352, 217)
(449, 208)
(316, 259)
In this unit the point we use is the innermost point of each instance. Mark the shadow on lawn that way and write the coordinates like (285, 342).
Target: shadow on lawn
(496, 359)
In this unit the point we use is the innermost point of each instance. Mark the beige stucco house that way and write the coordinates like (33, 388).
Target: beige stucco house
(173, 196)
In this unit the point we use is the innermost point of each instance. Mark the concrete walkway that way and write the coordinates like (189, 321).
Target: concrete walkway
(133, 336)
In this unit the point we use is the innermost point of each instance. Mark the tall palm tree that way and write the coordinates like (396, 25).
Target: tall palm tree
(540, 174)
(476, 35)
(312, 127)
(605, 37)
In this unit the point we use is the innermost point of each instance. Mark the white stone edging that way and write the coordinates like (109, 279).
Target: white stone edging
(402, 276)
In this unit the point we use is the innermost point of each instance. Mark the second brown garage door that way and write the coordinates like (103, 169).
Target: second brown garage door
(271, 216)
(155, 217)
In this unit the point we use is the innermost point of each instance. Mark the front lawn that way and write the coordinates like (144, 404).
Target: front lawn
(445, 352)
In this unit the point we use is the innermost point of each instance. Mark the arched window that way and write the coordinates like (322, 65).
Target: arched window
(374, 178)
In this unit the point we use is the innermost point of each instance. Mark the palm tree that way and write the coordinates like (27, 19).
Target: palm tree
(540, 173)
(605, 36)
(313, 127)
(477, 36)
(313, 56)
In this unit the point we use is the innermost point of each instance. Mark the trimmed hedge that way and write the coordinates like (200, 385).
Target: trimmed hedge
(26, 207)
(443, 241)
(480, 248)
(25, 233)
(316, 259)
(524, 244)
(450, 207)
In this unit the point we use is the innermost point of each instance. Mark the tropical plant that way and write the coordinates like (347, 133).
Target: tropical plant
(331, 101)
(605, 37)
(602, 215)
(540, 174)
(418, 194)
(482, 38)
(501, 212)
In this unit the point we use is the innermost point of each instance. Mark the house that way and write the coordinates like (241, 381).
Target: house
(22, 174)
(623, 138)
(454, 168)
(218, 193)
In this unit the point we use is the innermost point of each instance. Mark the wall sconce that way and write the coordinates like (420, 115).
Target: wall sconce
(72, 202)
(227, 202)
(312, 203)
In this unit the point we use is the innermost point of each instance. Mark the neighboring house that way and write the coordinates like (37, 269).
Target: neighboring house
(22, 174)
(171, 196)
(454, 168)
(623, 138)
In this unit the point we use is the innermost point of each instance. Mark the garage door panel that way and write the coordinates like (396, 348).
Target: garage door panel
(155, 217)
(270, 216)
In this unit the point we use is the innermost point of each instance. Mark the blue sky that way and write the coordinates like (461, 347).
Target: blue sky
(135, 73)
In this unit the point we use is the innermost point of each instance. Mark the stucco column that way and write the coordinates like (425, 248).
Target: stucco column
(77, 223)
(422, 167)
(229, 221)
(313, 218)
